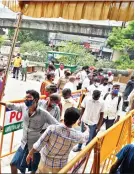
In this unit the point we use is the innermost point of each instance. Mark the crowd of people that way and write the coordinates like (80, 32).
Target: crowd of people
(48, 133)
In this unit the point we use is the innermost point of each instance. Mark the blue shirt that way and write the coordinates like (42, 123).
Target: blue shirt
(126, 155)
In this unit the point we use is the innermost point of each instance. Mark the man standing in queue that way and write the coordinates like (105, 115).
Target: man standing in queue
(34, 118)
(91, 115)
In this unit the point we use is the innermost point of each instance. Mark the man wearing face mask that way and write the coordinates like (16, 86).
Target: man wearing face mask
(113, 106)
(71, 84)
(34, 118)
(51, 105)
(91, 115)
(59, 73)
(100, 75)
(67, 101)
(105, 87)
(94, 86)
(63, 80)
(86, 82)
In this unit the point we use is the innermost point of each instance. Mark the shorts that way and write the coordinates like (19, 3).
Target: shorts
(19, 160)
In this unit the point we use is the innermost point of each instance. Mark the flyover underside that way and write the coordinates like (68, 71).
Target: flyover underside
(68, 28)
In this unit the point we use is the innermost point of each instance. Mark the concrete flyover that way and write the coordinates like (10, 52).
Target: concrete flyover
(77, 28)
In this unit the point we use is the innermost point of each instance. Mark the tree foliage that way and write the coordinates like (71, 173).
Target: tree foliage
(30, 35)
(124, 62)
(101, 63)
(122, 38)
(83, 58)
(36, 51)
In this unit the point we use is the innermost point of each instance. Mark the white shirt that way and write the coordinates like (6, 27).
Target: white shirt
(24, 63)
(93, 87)
(58, 73)
(67, 103)
(110, 78)
(70, 86)
(86, 83)
(93, 108)
(111, 107)
(83, 75)
(104, 89)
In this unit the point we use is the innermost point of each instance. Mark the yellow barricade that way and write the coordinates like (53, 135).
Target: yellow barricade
(79, 163)
(105, 146)
(112, 141)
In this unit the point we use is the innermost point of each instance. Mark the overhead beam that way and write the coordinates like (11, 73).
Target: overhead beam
(63, 27)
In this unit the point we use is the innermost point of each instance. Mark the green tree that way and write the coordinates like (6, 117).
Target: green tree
(101, 63)
(29, 35)
(84, 57)
(36, 51)
(124, 62)
(122, 38)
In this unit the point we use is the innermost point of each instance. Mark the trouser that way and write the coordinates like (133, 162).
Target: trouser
(42, 168)
(124, 106)
(79, 86)
(108, 123)
(24, 73)
(15, 72)
(92, 132)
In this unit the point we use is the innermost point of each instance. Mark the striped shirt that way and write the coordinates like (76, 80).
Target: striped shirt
(56, 143)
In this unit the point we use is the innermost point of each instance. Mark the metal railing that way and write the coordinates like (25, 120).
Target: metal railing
(105, 147)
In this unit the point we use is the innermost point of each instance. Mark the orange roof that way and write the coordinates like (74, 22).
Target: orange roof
(120, 10)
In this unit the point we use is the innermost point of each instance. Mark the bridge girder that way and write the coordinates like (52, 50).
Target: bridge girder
(63, 27)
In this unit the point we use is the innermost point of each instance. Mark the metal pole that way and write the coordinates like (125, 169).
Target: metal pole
(11, 53)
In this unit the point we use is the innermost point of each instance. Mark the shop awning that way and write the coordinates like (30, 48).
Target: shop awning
(119, 10)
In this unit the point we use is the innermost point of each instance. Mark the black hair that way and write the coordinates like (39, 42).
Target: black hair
(85, 67)
(100, 70)
(55, 97)
(94, 74)
(34, 94)
(71, 116)
(61, 63)
(96, 93)
(52, 88)
(66, 92)
(18, 54)
(116, 85)
(49, 75)
(96, 79)
(2, 69)
(105, 78)
(51, 67)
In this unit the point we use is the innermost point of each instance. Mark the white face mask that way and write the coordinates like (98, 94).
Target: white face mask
(97, 84)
